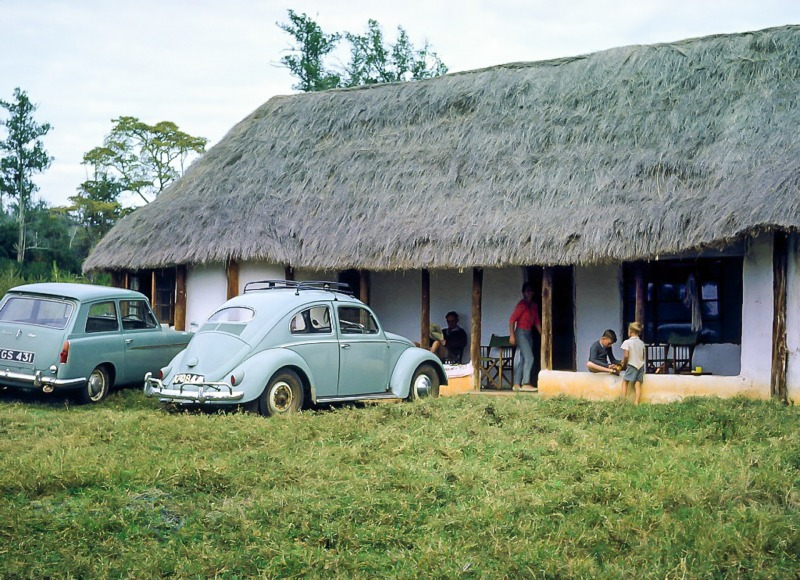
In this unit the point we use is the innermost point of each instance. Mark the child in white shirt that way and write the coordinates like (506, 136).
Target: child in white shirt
(633, 360)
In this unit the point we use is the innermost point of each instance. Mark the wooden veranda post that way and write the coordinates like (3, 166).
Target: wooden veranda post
(425, 310)
(640, 298)
(777, 383)
(232, 274)
(547, 319)
(180, 298)
(475, 327)
(363, 290)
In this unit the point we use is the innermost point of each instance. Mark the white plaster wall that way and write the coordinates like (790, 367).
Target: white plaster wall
(206, 289)
(793, 319)
(395, 298)
(502, 289)
(598, 306)
(756, 354)
(255, 271)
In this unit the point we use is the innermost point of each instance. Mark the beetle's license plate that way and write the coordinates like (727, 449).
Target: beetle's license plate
(182, 378)
(22, 356)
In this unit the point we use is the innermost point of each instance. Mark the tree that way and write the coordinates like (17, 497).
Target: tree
(96, 207)
(23, 155)
(140, 158)
(306, 61)
(371, 59)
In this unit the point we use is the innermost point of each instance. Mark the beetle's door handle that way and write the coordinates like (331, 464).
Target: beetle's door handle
(345, 346)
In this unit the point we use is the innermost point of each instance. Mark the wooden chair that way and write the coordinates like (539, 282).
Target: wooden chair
(657, 361)
(682, 352)
(497, 363)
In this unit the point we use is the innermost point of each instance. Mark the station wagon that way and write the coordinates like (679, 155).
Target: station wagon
(80, 337)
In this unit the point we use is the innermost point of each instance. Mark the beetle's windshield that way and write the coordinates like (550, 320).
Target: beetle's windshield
(39, 311)
(232, 314)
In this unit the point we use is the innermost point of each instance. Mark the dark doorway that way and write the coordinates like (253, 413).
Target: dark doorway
(159, 287)
(563, 316)
(352, 278)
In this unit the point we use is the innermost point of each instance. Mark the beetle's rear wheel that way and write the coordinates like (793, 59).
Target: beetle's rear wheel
(282, 396)
(424, 384)
(96, 388)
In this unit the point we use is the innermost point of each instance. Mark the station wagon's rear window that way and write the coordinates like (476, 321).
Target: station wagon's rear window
(232, 314)
(38, 311)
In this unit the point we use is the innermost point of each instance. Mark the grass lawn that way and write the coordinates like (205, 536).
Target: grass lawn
(465, 486)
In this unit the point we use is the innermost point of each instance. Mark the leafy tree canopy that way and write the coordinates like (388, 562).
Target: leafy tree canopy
(371, 61)
(140, 158)
(306, 60)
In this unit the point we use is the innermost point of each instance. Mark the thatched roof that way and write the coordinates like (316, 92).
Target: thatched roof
(624, 154)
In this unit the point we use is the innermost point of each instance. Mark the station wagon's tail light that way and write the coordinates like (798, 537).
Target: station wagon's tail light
(62, 357)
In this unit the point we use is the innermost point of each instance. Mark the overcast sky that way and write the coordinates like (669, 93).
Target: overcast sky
(206, 64)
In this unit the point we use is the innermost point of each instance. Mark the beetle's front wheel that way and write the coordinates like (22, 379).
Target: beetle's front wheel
(283, 395)
(425, 383)
(96, 387)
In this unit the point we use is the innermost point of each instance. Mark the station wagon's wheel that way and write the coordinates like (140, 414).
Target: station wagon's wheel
(96, 388)
(283, 395)
(425, 383)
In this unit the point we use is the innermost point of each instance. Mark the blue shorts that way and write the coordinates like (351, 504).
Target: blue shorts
(633, 375)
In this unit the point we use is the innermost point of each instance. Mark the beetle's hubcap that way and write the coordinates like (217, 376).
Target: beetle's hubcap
(96, 386)
(423, 385)
(282, 397)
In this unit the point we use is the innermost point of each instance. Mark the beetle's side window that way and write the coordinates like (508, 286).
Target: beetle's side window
(136, 315)
(314, 320)
(355, 320)
(102, 317)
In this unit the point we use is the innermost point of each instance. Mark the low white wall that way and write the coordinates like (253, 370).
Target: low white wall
(206, 289)
(655, 388)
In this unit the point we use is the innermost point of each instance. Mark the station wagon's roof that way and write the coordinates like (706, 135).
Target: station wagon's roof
(83, 292)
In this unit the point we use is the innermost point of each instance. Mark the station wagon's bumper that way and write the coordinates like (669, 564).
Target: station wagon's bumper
(37, 380)
(206, 392)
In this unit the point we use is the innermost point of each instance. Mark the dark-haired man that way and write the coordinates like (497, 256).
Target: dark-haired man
(451, 346)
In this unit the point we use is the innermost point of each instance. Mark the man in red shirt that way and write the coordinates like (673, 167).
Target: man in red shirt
(520, 328)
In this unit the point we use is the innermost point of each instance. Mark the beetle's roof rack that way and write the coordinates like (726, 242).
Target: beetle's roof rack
(298, 285)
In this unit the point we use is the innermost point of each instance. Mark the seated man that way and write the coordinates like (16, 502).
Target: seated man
(449, 343)
(601, 357)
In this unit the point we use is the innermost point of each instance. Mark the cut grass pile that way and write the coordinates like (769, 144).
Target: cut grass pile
(464, 486)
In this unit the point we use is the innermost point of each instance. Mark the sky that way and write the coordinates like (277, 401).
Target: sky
(206, 64)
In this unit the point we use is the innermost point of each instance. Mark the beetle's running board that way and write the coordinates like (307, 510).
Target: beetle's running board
(349, 398)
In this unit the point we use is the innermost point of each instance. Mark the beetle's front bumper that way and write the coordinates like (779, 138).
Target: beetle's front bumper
(206, 391)
(37, 380)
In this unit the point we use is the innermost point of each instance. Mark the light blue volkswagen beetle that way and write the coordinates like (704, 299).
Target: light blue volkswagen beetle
(283, 345)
